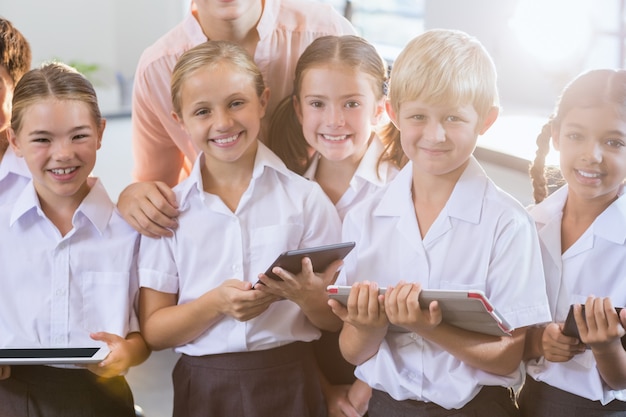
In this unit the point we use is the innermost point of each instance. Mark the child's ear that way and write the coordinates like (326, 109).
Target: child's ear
(492, 116)
(391, 113)
(12, 137)
(297, 107)
(264, 98)
(103, 124)
(378, 111)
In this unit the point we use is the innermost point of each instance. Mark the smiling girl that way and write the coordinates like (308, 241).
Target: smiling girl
(244, 350)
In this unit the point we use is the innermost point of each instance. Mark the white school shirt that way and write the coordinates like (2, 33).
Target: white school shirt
(594, 264)
(55, 289)
(279, 211)
(367, 179)
(482, 240)
(14, 175)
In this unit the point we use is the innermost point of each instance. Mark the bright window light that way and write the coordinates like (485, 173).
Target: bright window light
(554, 31)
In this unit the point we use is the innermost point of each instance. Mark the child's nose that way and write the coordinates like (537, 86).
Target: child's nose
(335, 116)
(223, 120)
(63, 150)
(434, 132)
(593, 152)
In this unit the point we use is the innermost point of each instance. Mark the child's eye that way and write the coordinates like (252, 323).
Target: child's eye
(352, 104)
(40, 140)
(615, 143)
(316, 104)
(418, 117)
(201, 112)
(453, 118)
(237, 103)
(574, 136)
(80, 136)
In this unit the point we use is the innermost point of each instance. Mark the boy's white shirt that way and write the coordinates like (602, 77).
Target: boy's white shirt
(483, 239)
(367, 179)
(57, 289)
(594, 264)
(14, 175)
(279, 211)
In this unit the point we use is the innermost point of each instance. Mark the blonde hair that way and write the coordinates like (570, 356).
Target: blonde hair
(52, 80)
(591, 89)
(352, 52)
(212, 53)
(442, 66)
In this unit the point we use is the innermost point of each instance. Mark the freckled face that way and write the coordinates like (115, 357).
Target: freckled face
(592, 147)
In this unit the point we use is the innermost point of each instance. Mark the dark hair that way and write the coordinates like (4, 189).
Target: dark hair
(590, 89)
(285, 133)
(15, 53)
(54, 80)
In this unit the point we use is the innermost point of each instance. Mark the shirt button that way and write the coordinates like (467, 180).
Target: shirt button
(60, 292)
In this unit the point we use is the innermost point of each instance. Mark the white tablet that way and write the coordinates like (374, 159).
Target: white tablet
(470, 310)
(51, 356)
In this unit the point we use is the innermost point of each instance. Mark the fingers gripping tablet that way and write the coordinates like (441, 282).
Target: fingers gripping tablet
(321, 257)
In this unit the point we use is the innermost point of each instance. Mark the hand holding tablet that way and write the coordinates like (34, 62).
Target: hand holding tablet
(52, 356)
(321, 257)
(470, 310)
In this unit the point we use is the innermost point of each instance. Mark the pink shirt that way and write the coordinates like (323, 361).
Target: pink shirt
(286, 28)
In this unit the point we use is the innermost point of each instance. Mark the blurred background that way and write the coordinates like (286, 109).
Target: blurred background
(537, 46)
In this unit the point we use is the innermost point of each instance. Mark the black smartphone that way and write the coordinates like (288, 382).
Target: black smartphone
(321, 257)
(570, 328)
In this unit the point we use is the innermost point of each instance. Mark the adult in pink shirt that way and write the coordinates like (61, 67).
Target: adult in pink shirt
(275, 32)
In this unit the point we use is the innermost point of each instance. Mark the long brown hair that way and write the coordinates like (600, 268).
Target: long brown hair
(285, 133)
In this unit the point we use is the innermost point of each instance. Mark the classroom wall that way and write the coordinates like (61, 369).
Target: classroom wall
(110, 33)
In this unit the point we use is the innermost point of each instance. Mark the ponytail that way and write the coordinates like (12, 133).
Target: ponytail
(286, 139)
(390, 137)
(538, 167)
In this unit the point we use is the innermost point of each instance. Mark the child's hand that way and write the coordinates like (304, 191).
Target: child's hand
(119, 358)
(338, 403)
(556, 346)
(301, 288)
(600, 327)
(403, 308)
(5, 372)
(149, 207)
(239, 301)
(364, 309)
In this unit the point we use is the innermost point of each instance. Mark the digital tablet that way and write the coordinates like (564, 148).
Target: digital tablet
(51, 356)
(571, 329)
(470, 310)
(321, 257)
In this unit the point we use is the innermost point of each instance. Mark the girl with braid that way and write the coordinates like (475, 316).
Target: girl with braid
(582, 229)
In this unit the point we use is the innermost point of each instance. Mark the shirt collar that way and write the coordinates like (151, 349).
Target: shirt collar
(609, 225)
(465, 202)
(97, 207)
(12, 164)
(264, 158)
(368, 169)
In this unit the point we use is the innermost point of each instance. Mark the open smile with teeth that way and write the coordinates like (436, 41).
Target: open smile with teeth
(588, 174)
(63, 171)
(223, 141)
(334, 138)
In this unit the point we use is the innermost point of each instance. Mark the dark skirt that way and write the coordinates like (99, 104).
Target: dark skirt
(280, 382)
(538, 399)
(42, 391)
(490, 402)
